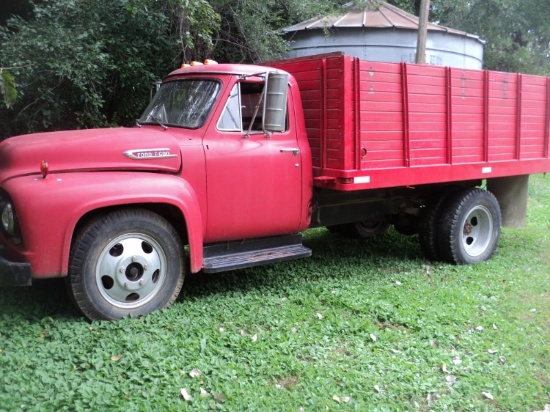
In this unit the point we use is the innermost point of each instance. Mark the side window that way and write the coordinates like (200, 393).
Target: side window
(230, 120)
(242, 107)
(251, 93)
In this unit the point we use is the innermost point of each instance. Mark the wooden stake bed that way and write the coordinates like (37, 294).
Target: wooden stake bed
(374, 125)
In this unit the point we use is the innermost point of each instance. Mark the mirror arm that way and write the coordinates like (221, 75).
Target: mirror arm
(254, 116)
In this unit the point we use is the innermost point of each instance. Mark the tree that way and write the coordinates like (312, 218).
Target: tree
(251, 30)
(91, 63)
(192, 23)
(83, 63)
(7, 87)
(517, 32)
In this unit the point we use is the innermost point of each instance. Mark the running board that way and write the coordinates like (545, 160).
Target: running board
(247, 253)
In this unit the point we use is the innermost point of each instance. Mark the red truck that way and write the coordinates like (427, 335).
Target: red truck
(230, 163)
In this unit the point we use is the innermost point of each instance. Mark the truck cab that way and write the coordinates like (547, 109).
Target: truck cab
(252, 175)
(219, 161)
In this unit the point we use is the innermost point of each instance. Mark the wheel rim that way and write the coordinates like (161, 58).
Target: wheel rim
(131, 270)
(477, 231)
(370, 228)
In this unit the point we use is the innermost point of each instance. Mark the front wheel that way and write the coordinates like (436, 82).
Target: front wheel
(129, 262)
(469, 227)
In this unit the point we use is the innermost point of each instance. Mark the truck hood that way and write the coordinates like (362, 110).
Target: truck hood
(143, 149)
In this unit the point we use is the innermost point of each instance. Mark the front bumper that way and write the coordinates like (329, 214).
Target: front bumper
(14, 274)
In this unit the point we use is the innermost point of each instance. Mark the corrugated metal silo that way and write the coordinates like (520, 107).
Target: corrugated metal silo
(383, 32)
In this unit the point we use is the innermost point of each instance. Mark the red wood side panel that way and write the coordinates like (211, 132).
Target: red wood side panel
(381, 115)
(427, 115)
(533, 117)
(467, 102)
(547, 128)
(309, 75)
(392, 124)
(502, 116)
(340, 147)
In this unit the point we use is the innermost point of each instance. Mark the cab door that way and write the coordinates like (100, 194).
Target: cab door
(254, 186)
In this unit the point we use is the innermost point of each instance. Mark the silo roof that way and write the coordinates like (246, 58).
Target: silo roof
(377, 15)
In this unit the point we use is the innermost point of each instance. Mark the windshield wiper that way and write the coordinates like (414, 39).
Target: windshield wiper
(159, 122)
(152, 119)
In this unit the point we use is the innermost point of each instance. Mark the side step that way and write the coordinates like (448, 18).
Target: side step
(253, 252)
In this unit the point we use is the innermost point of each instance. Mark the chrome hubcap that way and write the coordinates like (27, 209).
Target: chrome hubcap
(131, 270)
(477, 231)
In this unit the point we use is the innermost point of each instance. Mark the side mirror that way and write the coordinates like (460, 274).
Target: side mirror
(154, 89)
(275, 102)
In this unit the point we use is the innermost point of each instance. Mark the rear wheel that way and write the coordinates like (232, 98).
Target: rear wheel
(407, 225)
(469, 227)
(428, 231)
(129, 262)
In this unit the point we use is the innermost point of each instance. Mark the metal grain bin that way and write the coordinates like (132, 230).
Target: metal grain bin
(382, 32)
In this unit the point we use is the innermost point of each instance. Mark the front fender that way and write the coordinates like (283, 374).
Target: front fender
(49, 210)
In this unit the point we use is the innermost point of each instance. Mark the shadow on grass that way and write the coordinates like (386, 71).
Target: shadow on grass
(332, 253)
(45, 298)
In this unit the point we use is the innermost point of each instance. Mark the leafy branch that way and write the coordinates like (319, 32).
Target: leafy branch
(7, 87)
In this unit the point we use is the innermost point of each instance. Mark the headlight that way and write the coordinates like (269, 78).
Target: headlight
(8, 219)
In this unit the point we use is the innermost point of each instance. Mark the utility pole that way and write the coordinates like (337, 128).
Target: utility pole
(422, 31)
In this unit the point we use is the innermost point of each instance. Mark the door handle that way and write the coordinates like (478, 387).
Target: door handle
(292, 150)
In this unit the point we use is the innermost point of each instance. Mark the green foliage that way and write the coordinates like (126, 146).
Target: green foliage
(517, 32)
(83, 63)
(192, 22)
(369, 324)
(7, 87)
(251, 30)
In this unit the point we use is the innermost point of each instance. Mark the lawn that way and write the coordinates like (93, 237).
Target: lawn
(362, 325)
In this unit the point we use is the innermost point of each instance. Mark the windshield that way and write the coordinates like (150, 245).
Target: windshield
(184, 103)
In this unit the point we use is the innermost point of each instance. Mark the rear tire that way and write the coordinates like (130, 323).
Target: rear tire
(428, 233)
(469, 227)
(407, 226)
(126, 263)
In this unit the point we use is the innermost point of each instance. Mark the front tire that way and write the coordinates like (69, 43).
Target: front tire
(470, 226)
(128, 262)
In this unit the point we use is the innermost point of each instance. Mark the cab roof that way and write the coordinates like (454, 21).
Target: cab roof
(232, 69)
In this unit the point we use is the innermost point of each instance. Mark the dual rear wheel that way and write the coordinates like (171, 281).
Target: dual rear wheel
(461, 227)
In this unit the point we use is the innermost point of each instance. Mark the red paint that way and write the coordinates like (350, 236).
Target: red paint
(417, 121)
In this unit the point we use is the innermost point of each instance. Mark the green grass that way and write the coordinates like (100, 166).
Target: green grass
(369, 323)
